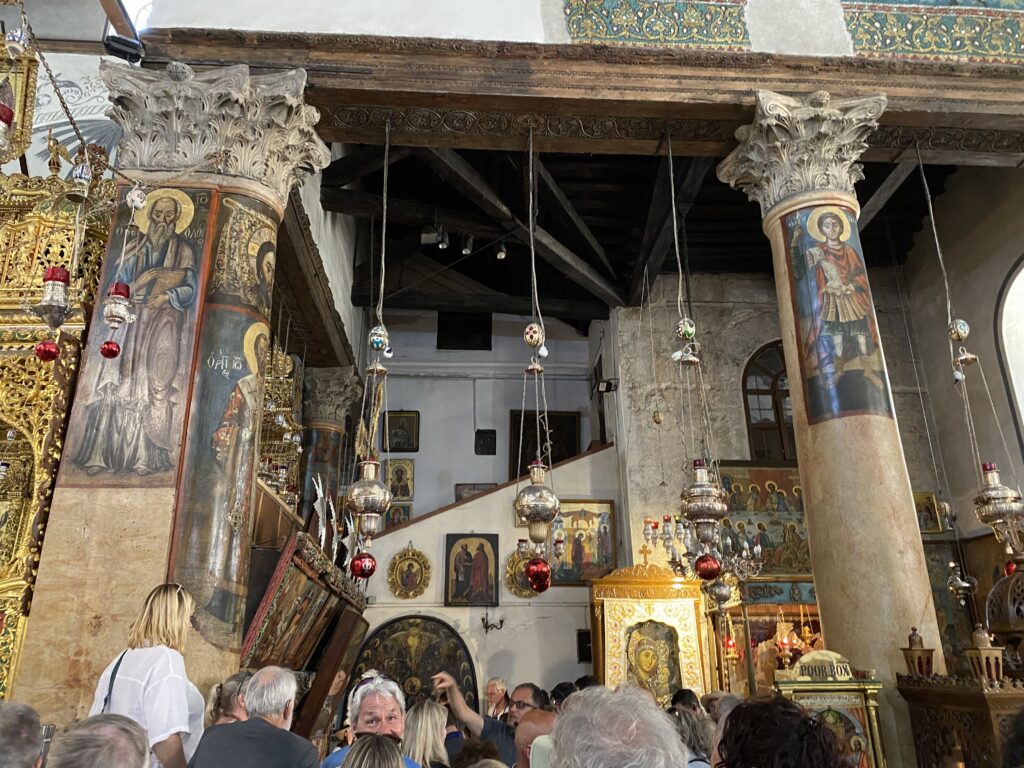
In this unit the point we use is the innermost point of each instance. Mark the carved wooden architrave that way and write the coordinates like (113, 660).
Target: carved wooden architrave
(640, 584)
(37, 231)
(612, 99)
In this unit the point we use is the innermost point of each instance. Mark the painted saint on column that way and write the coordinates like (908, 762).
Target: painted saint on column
(234, 448)
(837, 331)
(133, 422)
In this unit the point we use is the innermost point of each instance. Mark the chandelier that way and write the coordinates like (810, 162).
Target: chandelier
(536, 505)
(693, 539)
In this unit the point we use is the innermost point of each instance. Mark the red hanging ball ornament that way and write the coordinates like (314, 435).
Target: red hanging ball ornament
(708, 567)
(540, 584)
(110, 349)
(363, 565)
(47, 350)
(537, 568)
(1010, 568)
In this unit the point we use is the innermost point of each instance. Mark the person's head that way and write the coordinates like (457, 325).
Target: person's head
(587, 681)
(536, 722)
(373, 750)
(165, 619)
(525, 696)
(775, 733)
(270, 694)
(163, 219)
(101, 741)
(694, 735)
(226, 701)
(423, 741)
(496, 690)
(645, 654)
(377, 705)
(561, 692)
(21, 737)
(684, 698)
(831, 226)
(598, 728)
(488, 762)
(473, 751)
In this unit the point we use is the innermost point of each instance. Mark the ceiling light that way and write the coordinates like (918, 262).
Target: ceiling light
(442, 241)
(467, 245)
(501, 253)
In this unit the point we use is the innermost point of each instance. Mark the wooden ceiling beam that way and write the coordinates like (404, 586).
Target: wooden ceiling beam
(367, 205)
(569, 210)
(359, 164)
(653, 257)
(456, 170)
(878, 200)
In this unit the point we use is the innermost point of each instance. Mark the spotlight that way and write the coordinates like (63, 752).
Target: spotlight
(607, 385)
(467, 245)
(442, 240)
(501, 252)
(429, 235)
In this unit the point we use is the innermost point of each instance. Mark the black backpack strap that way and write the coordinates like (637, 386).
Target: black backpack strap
(113, 676)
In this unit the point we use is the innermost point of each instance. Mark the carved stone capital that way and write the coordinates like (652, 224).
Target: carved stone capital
(222, 121)
(328, 394)
(801, 144)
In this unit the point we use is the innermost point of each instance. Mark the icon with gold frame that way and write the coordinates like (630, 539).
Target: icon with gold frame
(409, 573)
(515, 575)
(18, 94)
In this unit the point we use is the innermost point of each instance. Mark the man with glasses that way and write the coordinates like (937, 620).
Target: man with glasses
(375, 705)
(525, 698)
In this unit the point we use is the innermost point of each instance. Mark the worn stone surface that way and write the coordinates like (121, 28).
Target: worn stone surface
(800, 27)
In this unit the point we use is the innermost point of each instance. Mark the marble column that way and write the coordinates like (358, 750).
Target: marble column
(798, 160)
(156, 478)
(327, 398)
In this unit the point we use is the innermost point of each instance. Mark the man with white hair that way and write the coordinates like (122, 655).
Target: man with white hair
(599, 728)
(21, 736)
(264, 740)
(101, 741)
(375, 705)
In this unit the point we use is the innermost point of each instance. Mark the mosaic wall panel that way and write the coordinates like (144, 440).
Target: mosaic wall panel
(978, 30)
(656, 22)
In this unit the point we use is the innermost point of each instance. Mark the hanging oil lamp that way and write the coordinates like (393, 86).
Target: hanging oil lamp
(368, 499)
(53, 307)
(536, 505)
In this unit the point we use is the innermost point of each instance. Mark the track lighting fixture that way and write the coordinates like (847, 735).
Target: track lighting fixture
(467, 245)
(501, 252)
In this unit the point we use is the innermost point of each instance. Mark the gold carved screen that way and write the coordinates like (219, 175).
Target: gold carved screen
(650, 630)
(37, 225)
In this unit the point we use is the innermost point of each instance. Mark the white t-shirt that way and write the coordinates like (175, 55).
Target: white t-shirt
(152, 689)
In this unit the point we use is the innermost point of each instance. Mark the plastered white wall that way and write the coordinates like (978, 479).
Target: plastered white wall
(538, 640)
(978, 218)
(442, 386)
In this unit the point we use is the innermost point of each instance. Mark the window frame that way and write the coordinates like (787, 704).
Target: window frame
(778, 396)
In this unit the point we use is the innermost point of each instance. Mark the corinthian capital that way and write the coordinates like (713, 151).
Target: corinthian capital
(804, 144)
(222, 121)
(328, 394)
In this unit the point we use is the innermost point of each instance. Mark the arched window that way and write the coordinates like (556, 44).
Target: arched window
(769, 411)
(1010, 330)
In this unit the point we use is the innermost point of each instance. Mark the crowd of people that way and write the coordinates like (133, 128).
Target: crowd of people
(146, 714)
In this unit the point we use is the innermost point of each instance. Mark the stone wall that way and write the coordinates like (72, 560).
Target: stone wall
(736, 315)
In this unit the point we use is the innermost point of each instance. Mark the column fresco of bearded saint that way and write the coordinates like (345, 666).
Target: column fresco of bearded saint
(130, 427)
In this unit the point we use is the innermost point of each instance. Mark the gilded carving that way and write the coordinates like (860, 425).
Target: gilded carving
(223, 121)
(18, 92)
(801, 144)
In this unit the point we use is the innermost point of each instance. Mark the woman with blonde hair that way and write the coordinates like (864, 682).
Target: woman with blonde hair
(226, 701)
(423, 742)
(147, 681)
(372, 750)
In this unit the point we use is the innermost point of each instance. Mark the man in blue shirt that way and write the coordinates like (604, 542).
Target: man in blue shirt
(525, 697)
(376, 705)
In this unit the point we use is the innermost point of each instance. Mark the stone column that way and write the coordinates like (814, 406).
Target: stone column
(327, 398)
(156, 479)
(798, 160)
